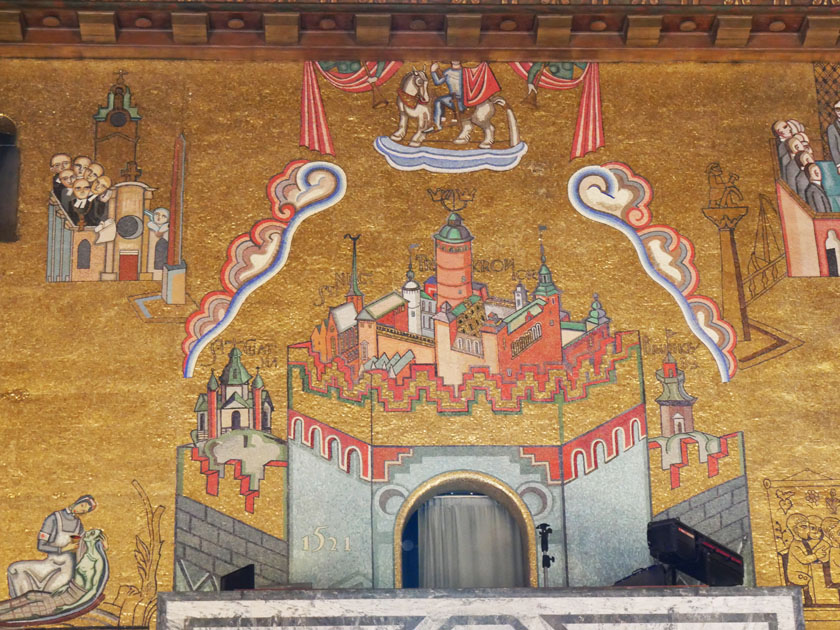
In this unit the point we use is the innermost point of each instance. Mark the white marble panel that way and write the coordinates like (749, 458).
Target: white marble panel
(513, 609)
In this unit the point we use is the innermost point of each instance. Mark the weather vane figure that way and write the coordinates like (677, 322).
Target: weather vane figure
(452, 199)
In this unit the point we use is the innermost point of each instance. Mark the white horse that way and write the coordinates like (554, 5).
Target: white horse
(414, 102)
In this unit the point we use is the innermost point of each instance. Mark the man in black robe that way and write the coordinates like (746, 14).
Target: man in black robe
(815, 194)
(800, 183)
(58, 163)
(782, 131)
(98, 206)
(81, 203)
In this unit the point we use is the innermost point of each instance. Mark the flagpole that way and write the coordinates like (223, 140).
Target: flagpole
(379, 101)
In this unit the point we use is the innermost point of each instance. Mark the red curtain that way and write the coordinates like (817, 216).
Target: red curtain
(589, 129)
(314, 130)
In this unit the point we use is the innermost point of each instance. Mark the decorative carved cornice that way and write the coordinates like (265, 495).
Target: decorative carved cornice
(607, 30)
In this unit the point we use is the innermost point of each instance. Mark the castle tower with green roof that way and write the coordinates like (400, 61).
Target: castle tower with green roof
(453, 262)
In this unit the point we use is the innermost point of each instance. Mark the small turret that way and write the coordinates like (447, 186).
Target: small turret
(257, 386)
(212, 406)
(257, 383)
(411, 294)
(597, 314)
(676, 406)
(520, 296)
(545, 285)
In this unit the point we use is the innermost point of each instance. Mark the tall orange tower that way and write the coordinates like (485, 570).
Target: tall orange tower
(453, 262)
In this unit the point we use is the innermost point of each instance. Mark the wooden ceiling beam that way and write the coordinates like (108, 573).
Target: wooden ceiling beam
(189, 28)
(821, 31)
(554, 31)
(463, 29)
(373, 29)
(11, 26)
(613, 32)
(732, 31)
(281, 29)
(97, 27)
(642, 30)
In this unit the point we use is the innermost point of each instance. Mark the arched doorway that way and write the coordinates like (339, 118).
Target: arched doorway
(679, 423)
(9, 170)
(832, 253)
(493, 491)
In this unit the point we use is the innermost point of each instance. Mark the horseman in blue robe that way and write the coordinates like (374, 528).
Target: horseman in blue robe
(453, 78)
(468, 87)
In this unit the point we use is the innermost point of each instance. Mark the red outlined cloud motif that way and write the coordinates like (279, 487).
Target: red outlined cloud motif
(303, 188)
(614, 195)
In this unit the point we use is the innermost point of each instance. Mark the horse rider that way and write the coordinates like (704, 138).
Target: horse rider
(453, 77)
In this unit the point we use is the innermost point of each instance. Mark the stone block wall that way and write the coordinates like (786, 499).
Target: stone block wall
(209, 544)
(723, 514)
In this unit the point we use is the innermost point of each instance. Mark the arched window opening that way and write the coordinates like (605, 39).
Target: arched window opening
(636, 428)
(331, 452)
(618, 440)
(315, 439)
(599, 453)
(579, 463)
(460, 484)
(354, 462)
(9, 176)
(297, 430)
(83, 255)
(463, 539)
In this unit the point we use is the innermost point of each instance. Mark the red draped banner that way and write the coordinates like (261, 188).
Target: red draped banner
(314, 130)
(479, 84)
(589, 129)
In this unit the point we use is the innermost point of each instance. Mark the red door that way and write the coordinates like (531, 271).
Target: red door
(129, 265)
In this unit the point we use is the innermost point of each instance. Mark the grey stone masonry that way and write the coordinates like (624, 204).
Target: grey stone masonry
(723, 514)
(210, 542)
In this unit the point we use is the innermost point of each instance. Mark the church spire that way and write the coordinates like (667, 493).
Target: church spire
(213, 383)
(354, 294)
(117, 133)
(545, 285)
(258, 381)
(409, 275)
(411, 294)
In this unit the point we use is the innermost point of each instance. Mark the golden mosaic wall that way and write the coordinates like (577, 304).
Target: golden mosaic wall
(92, 397)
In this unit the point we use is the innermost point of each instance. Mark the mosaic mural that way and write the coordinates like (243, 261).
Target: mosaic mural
(377, 282)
